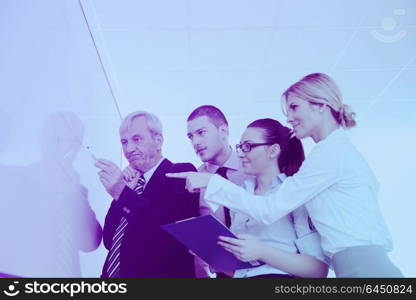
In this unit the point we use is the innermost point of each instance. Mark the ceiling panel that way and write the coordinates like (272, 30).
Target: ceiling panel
(321, 13)
(226, 88)
(362, 85)
(147, 50)
(305, 49)
(228, 49)
(269, 85)
(142, 14)
(371, 51)
(233, 13)
(403, 88)
(390, 13)
(159, 92)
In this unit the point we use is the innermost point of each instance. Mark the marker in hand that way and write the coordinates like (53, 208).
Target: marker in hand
(111, 177)
(91, 153)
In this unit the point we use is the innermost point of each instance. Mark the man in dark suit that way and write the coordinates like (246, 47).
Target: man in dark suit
(144, 199)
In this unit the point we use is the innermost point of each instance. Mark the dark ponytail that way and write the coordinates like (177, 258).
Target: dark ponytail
(291, 150)
(291, 157)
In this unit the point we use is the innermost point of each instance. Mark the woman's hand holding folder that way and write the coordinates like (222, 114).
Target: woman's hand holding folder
(228, 273)
(212, 269)
(246, 248)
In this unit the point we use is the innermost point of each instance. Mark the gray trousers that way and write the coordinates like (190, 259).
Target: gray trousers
(364, 261)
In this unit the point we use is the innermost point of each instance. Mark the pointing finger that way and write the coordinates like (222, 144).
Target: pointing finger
(183, 175)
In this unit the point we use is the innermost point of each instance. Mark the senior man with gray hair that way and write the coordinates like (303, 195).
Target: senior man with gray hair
(143, 199)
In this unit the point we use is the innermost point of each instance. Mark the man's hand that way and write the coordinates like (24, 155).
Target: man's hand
(129, 174)
(131, 177)
(111, 177)
(194, 180)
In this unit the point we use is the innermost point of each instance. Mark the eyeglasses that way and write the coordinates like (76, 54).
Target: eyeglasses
(246, 146)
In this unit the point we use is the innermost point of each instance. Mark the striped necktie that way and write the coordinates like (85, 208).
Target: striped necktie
(113, 258)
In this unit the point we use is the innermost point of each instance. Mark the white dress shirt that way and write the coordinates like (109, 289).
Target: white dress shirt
(150, 173)
(337, 187)
(286, 233)
(235, 174)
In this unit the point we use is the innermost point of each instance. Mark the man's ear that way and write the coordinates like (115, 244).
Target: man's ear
(159, 141)
(224, 129)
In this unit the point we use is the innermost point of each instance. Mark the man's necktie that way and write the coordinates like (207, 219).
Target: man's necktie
(222, 171)
(113, 258)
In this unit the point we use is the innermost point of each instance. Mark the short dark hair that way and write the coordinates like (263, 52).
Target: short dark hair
(214, 114)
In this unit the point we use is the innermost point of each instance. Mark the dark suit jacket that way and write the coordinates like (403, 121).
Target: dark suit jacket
(147, 250)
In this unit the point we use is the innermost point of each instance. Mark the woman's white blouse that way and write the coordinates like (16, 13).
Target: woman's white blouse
(337, 187)
(289, 233)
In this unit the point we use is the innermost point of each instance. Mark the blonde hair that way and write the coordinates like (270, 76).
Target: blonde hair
(319, 88)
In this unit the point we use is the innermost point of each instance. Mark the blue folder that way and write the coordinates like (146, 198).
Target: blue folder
(200, 235)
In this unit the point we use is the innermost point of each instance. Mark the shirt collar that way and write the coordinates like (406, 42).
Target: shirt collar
(150, 173)
(277, 180)
(337, 134)
(233, 163)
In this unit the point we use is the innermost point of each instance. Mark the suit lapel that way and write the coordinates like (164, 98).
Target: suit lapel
(155, 185)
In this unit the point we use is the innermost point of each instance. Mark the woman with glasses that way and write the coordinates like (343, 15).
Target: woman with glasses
(335, 183)
(290, 246)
